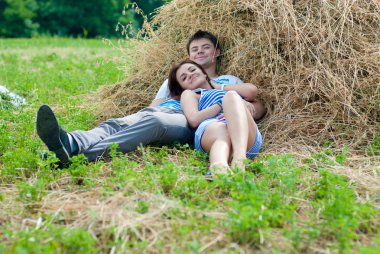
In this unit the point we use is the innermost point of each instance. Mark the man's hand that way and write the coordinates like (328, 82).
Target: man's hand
(156, 102)
(251, 108)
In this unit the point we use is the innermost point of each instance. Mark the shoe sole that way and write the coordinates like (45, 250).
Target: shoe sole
(48, 131)
(208, 175)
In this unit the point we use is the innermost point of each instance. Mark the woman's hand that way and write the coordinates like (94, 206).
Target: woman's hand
(221, 117)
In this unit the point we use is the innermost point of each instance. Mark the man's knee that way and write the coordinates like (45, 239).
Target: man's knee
(260, 110)
(169, 120)
(157, 122)
(170, 128)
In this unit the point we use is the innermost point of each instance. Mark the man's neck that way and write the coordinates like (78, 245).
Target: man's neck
(211, 71)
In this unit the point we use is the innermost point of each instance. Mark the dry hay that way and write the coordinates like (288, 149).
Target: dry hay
(316, 64)
(96, 213)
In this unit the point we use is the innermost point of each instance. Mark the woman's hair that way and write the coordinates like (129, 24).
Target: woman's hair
(174, 86)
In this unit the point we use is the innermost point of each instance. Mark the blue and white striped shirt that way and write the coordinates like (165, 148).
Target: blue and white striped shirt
(209, 97)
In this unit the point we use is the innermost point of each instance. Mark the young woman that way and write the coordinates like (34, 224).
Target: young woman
(225, 128)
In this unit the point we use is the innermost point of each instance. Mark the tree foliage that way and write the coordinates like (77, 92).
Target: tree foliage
(16, 18)
(27, 18)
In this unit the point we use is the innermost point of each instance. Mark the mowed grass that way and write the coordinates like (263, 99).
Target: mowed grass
(155, 200)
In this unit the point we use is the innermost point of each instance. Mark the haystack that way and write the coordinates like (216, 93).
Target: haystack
(316, 64)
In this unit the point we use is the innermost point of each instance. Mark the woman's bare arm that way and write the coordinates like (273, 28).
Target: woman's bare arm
(189, 104)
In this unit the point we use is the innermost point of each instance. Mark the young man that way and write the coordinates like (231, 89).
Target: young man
(163, 122)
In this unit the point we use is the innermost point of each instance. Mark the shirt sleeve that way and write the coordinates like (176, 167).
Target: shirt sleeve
(228, 80)
(163, 92)
(239, 81)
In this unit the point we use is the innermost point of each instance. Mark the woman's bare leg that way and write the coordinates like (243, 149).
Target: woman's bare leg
(216, 141)
(241, 127)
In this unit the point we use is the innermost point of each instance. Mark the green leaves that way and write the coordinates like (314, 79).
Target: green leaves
(340, 214)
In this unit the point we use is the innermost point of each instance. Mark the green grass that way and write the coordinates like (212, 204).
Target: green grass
(155, 200)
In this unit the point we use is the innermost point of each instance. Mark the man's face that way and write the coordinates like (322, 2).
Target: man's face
(203, 52)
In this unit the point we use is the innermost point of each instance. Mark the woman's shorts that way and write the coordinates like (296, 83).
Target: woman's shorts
(252, 152)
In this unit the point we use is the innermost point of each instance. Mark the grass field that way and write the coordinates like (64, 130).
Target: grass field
(155, 200)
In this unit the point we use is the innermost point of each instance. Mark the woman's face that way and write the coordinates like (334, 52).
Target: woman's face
(191, 77)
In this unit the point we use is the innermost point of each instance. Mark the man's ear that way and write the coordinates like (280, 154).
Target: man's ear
(217, 52)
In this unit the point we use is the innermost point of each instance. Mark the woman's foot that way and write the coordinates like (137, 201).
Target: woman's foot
(217, 169)
(238, 164)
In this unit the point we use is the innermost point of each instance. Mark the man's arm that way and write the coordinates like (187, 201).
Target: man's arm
(156, 102)
(162, 94)
(247, 90)
(256, 108)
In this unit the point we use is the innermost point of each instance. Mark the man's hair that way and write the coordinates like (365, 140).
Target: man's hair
(174, 87)
(203, 35)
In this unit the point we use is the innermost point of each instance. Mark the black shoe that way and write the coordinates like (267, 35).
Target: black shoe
(54, 137)
(209, 175)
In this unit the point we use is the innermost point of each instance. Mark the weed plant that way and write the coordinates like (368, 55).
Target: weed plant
(155, 200)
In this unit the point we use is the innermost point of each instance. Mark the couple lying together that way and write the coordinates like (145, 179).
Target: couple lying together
(194, 105)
